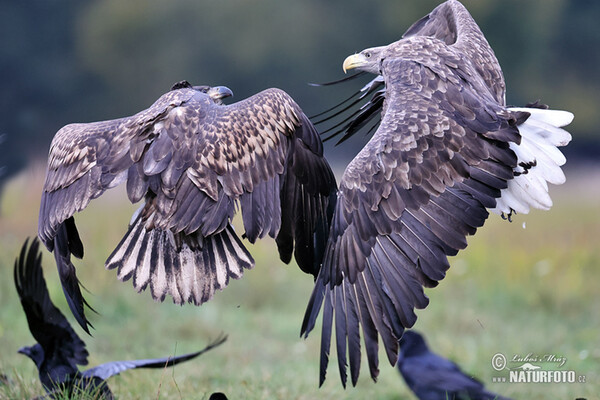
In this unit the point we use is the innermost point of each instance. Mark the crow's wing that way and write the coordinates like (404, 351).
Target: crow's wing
(105, 371)
(47, 324)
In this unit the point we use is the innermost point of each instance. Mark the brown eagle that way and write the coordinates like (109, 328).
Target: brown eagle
(446, 150)
(192, 160)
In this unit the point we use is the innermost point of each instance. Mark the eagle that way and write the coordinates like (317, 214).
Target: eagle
(446, 150)
(192, 161)
(59, 350)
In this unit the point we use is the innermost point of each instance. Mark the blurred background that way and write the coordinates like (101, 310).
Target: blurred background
(78, 61)
(66, 61)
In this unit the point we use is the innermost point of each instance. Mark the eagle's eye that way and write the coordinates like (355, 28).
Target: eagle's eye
(368, 54)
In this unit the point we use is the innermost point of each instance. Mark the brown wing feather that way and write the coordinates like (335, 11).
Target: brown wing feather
(192, 160)
(452, 23)
(261, 152)
(274, 163)
(407, 201)
(86, 159)
(238, 147)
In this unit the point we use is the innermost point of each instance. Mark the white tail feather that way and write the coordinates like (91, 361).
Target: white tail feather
(188, 274)
(539, 161)
(158, 281)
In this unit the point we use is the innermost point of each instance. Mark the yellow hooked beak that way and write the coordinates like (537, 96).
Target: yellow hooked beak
(354, 61)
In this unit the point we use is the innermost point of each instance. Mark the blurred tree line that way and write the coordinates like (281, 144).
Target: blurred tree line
(65, 61)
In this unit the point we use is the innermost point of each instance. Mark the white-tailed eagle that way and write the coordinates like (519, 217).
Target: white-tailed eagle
(192, 160)
(446, 150)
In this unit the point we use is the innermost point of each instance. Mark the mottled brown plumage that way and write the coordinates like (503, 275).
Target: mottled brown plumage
(192, 159)
(445, 151)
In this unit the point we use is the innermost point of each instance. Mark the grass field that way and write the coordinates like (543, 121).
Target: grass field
(531, 286)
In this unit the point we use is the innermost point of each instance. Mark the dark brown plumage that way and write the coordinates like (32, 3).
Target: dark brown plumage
(192, 161)
(446, 150)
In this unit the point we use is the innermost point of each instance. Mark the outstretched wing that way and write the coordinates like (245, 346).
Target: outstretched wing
(452, 23)
(47, 324)
(84, 161)
(406, 202)
(87, 159)
(261, 153)
(105, 371)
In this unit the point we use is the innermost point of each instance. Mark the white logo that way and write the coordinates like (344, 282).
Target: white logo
(527, 372)
(498, 361)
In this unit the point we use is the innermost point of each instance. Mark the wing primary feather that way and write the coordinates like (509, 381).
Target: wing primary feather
(344, 79)
(312, 117)
(341, 330)
(313, 308)
(389, 323)
(326, 330)
(346, 119)
(369, 329)
(353, 318)
(68, 279)
(105, 371)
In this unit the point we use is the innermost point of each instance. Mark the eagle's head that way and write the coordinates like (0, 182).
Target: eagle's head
(368, 60)
(217, 93)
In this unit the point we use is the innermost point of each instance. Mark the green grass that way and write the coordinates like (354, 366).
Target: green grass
(514, 291)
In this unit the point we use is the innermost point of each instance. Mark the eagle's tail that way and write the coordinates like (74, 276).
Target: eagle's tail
(188, 267)
(539, 161)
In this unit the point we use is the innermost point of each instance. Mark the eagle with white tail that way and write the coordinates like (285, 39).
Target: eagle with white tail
(446, 150)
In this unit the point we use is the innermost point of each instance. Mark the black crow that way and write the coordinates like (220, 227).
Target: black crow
(218, 396)
(432, 377)
(59, 350)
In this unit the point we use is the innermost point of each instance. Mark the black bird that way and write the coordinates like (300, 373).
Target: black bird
(217, 396)
(59, 350)
(432, 377)
(193, 161)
